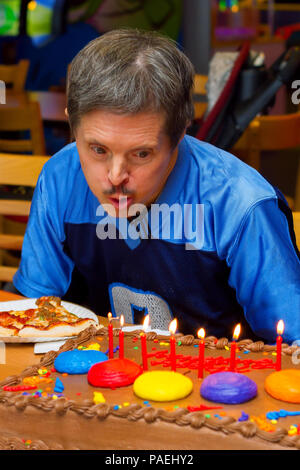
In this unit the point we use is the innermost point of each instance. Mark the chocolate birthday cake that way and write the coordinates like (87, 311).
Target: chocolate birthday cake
(45, 409)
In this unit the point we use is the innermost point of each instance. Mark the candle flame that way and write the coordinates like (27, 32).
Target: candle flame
(146, 322)
(173, 326)
(201, 333)
(237, 331)
(109, 316)
(280, 327)
(121, 320)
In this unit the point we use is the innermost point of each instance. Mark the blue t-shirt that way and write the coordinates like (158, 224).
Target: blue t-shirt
(237, 262)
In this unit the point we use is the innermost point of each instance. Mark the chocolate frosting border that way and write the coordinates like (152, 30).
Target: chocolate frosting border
(180, 416)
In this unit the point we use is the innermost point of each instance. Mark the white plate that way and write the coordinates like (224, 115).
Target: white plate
(25, 304)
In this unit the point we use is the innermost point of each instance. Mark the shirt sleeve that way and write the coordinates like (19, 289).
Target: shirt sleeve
(44, 268)
(265, 272)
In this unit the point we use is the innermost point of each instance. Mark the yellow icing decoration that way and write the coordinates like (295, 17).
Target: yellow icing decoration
(98, 398)
(284, 385)
(94, 347)
(160, 385)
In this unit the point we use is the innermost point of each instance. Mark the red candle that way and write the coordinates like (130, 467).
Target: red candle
(121, 338)
(172, 329)
(236, 334)
(280, 329)
(144, 343)
(201, 334)
(110, 337)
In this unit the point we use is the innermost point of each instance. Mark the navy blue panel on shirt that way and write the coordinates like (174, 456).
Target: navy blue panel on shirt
(193, 283)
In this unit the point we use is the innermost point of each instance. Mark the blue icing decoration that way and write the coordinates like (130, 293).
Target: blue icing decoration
(78, 361)
(281, 414)
(228, 387)
(59, 386)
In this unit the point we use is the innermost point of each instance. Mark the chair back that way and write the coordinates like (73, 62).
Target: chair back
(14, 76)
(296, 219)
(26, 117)
(267, 133)
(275, 132)
(200, 103)
(16, 170)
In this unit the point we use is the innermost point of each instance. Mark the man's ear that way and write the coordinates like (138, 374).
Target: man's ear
(66, 112)
(183, 133)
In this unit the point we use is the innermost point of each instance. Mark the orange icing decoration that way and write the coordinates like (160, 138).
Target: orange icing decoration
(284, 385)
(36, 380)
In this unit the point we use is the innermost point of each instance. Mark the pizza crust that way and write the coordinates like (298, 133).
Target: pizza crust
(56, 330)
(8, 331)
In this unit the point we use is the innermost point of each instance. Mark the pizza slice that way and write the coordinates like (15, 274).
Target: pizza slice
(12, 321)
(49, 319)
(9, 326)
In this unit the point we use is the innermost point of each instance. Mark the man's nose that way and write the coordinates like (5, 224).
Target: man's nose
(118, 171)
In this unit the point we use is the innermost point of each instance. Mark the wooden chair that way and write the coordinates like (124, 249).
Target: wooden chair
(267, 133)
(296, 219)
(16, 170)
(199, 93)
(26, 117)
(21, 118)
(15, 75)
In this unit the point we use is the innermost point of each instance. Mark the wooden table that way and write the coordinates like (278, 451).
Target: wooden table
(19, 356)
(52, 103)
(4, 296)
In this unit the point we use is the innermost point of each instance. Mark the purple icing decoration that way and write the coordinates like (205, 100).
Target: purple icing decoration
(244, 416)
(228, 387)
(115, 350)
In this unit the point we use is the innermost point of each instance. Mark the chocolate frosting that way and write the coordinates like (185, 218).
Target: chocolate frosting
(134, 412)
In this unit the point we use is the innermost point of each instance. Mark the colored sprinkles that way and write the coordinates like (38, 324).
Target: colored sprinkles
(161, 357)
(211, 364)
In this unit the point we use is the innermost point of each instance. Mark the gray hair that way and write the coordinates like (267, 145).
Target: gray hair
(128, 71)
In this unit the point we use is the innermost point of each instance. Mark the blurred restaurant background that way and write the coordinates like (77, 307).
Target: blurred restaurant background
(246, 55)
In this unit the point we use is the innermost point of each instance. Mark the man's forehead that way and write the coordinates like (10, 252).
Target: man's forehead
(144, 128)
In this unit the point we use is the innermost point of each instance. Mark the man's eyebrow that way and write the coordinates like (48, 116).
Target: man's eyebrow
(94, 141)
(148, 145)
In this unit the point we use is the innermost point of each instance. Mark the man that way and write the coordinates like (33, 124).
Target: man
(135, 217)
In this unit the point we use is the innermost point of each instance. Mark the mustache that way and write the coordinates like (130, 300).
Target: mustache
(117, 190)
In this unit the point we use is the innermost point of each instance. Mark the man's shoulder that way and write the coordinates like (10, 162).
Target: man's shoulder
(223, 174)
(228, 189)
(66, 160)
(61, 174)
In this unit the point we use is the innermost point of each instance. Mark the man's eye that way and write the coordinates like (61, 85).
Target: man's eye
(98, 150)
(143, 154)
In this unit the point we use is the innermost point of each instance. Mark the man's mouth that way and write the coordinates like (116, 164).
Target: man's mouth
(120, 202)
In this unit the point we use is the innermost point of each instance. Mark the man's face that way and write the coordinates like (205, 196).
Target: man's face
(126, 159)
